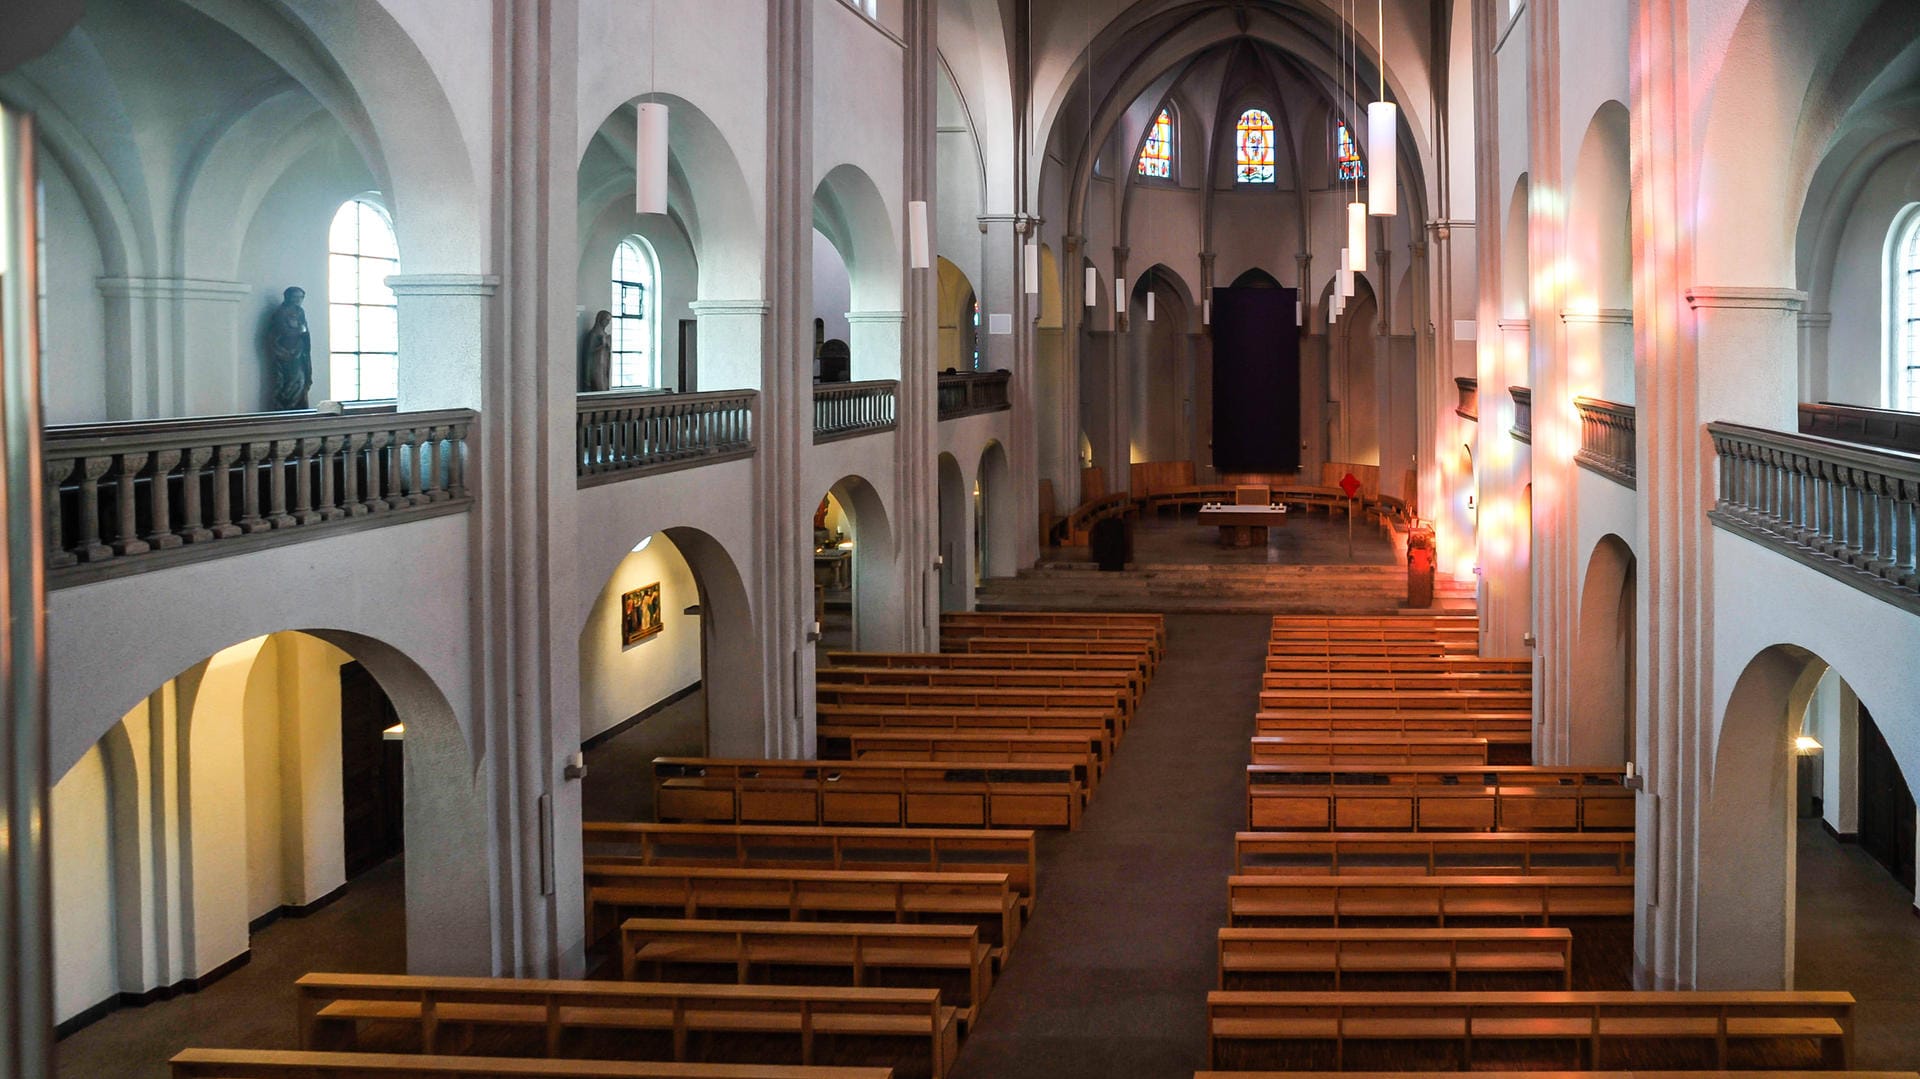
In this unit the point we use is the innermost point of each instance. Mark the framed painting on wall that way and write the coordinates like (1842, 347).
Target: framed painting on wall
(640, 614)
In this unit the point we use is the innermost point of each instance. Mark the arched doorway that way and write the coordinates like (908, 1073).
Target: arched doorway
(956, 560)
(1603, 672)
(852, 216)
(957, 318)
(855, 577)
(994, 515)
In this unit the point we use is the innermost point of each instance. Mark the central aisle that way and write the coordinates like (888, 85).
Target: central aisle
(1112, 974)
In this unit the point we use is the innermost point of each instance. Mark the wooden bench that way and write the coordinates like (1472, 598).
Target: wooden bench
(1468, 853)
(1335, 700)
(1350, 649)
(1336, 901)
(1074, 528)
(1351, 620)
(1039, 699)
(1590, 1024)
(295, 1064)
(1056, 646)
(333, 1007)
(1267, 958)
(1396, 682)
(951, 958)
(1120, 682)
(1368, 749)
(1120, 666)
(1478, 1074)
(1494, 726)
(899, 794)
(1488, 798)
(1390, 664)
(842, 720)
(1188, 495)
(1083, 751)
(928, 850)
(958, 637)
(1153, 620)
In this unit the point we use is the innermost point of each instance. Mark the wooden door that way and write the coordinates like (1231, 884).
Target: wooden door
(370, 772)
(1886, 805)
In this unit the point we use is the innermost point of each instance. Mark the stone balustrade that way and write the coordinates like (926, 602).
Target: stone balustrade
(847, 409)
(968, 393)
(125, 497)
(1607, 439)
(1522, 413)
(1850, 511)
(1468, 406)
(622, 435)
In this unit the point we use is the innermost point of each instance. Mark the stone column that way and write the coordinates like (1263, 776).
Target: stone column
(1118, 450)
(1065, 470)
(731, 332)
(443, 323)
(785, 572)
(1813, 354)
(916, 440)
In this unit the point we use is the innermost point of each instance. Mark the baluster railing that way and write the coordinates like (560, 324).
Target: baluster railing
(967, 393)
(620, 435)
(1850, 511)
(1522, 413)
(846, 409)
(123, 497)
(1607, 439)
(1468, 406)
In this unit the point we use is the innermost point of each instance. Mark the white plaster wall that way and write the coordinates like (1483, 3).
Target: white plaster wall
(832, 291)
(1513, 65)
(80, 842)
(958, 182)
(677, 274)
(881, 578)
(618, 681)
(1857, 340)
(73, 340)
(1605, 508)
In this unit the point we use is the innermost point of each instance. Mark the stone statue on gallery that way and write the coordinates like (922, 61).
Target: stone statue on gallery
(290, 352)
(597, 369)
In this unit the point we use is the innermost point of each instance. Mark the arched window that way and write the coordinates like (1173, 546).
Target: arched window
(976, 333)
(1156, 154)
(1255, 159)
(1346, 154)
(1903, 286)
(363, 319)
(635, 309)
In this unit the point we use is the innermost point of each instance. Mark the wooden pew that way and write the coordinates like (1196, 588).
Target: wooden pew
(1120, 666)
(332, 1008)
(1120, 682)
(1083, 751)
(926, 850)
(1040, 699)
(1352, 621)
(1409, 700)
(960, 637)
(981, 899)
(1265, 958)
(900, 794)
(1743, 1073)
(1412, 648)
(1396, 682)
(843, 720)
(294, 1064)
(1559, 854)
(1390, 664)
(1496, 727)
(1057, 646)
(1382, 750)
(1338, 901)
(951, 958)
(1154, 620)
(1490, 798)
(1592, 1026)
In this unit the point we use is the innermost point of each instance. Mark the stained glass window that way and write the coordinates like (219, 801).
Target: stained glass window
(976, 334)
(1255, 158)
(1906, 272)
(634, 303)
(1347, 153)
(363, 318)
(1156, 156)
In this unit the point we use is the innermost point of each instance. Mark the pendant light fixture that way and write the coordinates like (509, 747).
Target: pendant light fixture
(1356, 210)
(919, 240)
(650, 135)
(1032, 267)
(1093, 287)
(1149, 302)
(1346, 273)
(1119, 297)
(1383, 136)
(1093, 273)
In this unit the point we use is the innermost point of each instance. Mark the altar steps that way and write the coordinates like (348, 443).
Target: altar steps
(1256, 589)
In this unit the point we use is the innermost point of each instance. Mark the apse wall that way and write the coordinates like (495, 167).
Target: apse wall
(618, 680)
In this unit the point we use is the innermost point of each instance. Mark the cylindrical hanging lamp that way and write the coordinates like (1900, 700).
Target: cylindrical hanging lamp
(650, 160)
(919, 243)
(1206, 312)
(1383, 134)
(1093, 287)
(1149, 305)
(1346, 274)
(1119, 296)
(1033, 268)
(1299, 310)
(1357, 237)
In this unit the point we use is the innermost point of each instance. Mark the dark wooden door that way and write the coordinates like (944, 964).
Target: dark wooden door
(1886, 805)
(369, 772)
(689, 355)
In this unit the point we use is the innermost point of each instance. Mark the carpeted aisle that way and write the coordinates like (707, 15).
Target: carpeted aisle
(1111, 975)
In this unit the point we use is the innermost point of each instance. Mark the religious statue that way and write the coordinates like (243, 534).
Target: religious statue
(597, 370)
(290, 352)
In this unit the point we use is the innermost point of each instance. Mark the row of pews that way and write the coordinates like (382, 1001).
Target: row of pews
(1413, 893)
(835, 918)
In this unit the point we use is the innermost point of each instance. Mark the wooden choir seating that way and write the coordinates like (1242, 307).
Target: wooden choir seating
(1396, 683)
(1292, 959)
(927, 850)
(1406, 700)
(296, 1064)
(1119, 666)
(1450, 750)
(1037, 698)
(900, 794)
(1287, 663)
(552, 1017)
(1255, 899)
(1116, 681)
(1138, 651)
(840, 721)
(951, 958)
(1084, 752)
(1692, 1029)
(1096, 504)
(1434, 854)
(985, 900)
(1492, 798)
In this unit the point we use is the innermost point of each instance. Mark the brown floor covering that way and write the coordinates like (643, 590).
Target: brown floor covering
(1855, 929)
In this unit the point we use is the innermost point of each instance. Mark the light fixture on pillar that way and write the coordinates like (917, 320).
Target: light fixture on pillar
(1206, 312)
(1032, 267)
(919, 242)
(650, 136)
(1383, 135)
(1093, 287)
(1119, 296)
(1357, 237)
(1346, 273)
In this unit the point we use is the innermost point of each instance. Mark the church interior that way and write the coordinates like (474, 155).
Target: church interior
(835, 539)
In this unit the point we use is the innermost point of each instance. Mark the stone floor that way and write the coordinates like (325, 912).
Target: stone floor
(1856, 930)
(619, 782)
(1311, 537)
